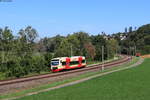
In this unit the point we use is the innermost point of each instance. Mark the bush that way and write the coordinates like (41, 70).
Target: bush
(146, 50)
(37, 64)
(47, 57)
(15, 70)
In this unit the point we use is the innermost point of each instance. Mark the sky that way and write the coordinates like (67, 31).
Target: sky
(52, 17)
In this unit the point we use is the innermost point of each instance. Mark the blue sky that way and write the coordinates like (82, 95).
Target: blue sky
(51, 17)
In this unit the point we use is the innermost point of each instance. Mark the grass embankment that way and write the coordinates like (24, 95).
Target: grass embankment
(65, 81)
(98, 62)
(131, 84)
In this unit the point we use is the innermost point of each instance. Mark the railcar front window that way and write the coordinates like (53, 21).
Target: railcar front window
(54, 63)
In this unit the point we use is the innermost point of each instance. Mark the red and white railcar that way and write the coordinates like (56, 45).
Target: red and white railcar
(61, 63)
(138, 54)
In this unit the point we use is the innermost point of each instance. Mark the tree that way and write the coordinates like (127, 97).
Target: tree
(1, 32)
(64, 49)
(31, 34)
(90, 50)
(130, 29)
(50, 44)
(48, 56)
(28, 34)
(147, 40)
(126, 30)
(74, 44)
(113, 47)
(6, 44)
(7, 34)
(23, 36)
(83, 37)
(37, 64)
(98, 41)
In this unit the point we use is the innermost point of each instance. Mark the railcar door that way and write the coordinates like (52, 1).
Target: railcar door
(80, 61)
(67, 63)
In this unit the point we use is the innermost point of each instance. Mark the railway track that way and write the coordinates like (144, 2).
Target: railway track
(54, 75)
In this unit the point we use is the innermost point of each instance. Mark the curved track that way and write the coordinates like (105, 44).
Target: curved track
(95, 67)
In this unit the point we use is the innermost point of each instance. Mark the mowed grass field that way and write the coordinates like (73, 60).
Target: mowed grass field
(131, 84)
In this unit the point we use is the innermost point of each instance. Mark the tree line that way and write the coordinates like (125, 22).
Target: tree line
(134, 40)
(21, 54)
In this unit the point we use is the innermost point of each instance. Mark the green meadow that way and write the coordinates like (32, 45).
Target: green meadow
(130, 84)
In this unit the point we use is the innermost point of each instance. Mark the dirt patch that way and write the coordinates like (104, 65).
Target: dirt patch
(146, 56)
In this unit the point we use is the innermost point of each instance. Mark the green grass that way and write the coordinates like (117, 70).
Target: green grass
(62, 82)
(131, 84)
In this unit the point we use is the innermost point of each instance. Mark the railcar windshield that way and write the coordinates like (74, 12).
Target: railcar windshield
(54, 62)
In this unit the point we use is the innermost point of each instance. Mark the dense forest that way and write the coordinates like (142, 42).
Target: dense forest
(22, 54)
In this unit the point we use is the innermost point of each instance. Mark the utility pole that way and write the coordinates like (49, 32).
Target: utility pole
(135, 50)
(116, 51)
(128, 51)
(120, 50)
(102, 57)
(107, 52)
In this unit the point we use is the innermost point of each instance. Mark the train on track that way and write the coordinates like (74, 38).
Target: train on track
(138, 54)
(63, 63)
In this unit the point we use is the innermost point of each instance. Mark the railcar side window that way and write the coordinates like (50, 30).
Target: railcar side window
(83, 61)
(74, 62)
(63, 63)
